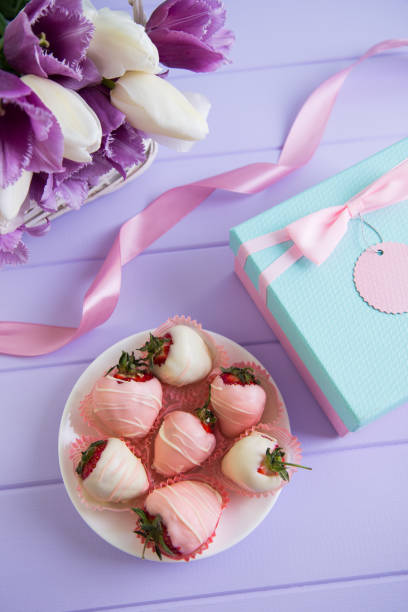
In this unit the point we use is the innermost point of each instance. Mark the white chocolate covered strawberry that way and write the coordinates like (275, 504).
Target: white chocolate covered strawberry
(180, 517)
(183, 441)
(127, 399)
(257, 463)
(110, 472)
(237, 399)
(180, 357)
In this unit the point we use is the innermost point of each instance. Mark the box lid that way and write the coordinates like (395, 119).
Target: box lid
(356, 354)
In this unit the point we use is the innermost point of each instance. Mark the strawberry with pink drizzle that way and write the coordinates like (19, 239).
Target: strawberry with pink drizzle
(179, 518)
(111, 473)
(127, 399)
(238, 400)
(178, 358)
(184, 441)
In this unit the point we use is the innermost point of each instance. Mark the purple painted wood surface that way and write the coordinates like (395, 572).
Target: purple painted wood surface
(338, 537)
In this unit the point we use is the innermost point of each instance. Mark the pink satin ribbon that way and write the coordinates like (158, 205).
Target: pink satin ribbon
(315, 236)
(135, 235)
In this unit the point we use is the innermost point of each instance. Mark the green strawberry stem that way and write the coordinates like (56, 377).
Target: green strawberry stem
(129, 365)
(87, 455)
(153, 347)
(274, 462)
(297, 465)
(205, 414)
(244, 375)
(151, 529)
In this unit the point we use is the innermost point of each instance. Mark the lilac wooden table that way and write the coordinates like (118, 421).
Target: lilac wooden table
(337, 538)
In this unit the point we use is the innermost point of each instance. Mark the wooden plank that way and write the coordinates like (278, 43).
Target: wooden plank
(380, 594)
(343, 520)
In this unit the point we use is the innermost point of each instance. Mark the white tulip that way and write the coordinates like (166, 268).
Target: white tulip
(119, 44)
(11, 201)
(202, 105)
(79, 124)
(151, 104)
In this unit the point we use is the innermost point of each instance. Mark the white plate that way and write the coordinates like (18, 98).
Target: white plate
(241, 516)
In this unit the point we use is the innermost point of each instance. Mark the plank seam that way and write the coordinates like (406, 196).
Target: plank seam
(323, 451)
(295, 64)
(266, 589)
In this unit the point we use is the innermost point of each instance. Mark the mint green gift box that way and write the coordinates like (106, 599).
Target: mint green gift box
(354, 358)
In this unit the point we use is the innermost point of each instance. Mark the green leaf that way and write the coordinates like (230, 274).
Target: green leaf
(274, 462)
(151, 530)
(11, 8)
(244, 375)
(153, 347)
(3, 25)
(130, 365)
(87, 455)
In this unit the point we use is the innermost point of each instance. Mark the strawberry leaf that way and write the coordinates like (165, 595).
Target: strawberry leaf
(154, 347)
(87, 455)
(151, 529)
(274, 463)
(129, 365)
(245, 376)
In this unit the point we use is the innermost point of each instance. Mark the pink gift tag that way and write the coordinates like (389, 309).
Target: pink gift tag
(381, 277)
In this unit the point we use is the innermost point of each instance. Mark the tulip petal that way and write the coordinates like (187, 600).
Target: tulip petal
(128, 45)
(109, 116)
(67, 36)
(153, 105)
(80, 125)
(12, 249)
(190, 34)
(203, 106)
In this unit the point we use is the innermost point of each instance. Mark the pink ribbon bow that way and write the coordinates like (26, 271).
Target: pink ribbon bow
(315, 236)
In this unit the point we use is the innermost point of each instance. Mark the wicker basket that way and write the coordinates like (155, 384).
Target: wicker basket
(107, 184)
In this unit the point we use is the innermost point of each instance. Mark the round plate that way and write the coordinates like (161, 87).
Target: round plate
(241, 516)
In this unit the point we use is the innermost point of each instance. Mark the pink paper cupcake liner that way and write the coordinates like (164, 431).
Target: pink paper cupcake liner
(215, 484)
(78, 446)
(285, 439)
(196, 393)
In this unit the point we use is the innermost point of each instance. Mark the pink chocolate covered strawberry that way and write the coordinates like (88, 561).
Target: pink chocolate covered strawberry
(111, 473)
(179, 518)
(184, 441)
(238, 400)
(178, 358)
(127, 399)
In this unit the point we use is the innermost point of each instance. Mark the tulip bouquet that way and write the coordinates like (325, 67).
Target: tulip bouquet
(83, 94)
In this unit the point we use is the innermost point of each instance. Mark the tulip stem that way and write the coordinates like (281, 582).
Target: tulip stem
(108, 83)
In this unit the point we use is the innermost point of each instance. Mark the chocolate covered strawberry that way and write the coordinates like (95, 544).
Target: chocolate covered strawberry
(178, 358)
(257, 463)
(184, 441)
(111, 473)
(178, 518)
(238, 399)
(127, 399)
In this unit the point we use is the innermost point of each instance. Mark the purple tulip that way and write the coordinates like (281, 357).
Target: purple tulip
(12, 248)
(49, 37)
(30, 136)
(190, 34)
(122, 146)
